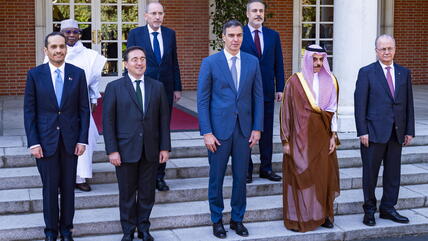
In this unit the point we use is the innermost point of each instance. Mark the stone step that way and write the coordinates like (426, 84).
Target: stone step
(184, 145)
(193, 214)
(28, 177)
(347, 227)
(186, 190)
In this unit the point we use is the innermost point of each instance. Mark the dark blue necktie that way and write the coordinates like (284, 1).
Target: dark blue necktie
(156, 47)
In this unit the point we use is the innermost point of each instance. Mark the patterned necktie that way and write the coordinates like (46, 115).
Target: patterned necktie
(389, 80)
(139, 94)
(156, 47)
(257, 42)
(234, 72)
(59, 85)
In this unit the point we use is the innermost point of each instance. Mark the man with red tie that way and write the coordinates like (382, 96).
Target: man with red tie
(264, 44)
(385, 121)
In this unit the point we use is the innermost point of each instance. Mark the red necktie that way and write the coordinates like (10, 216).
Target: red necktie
(389, 80)
(257, 42)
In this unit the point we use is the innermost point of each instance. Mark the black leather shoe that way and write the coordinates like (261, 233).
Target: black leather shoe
(249, 179)
(128, 237)
(50, 238)
(145, 236)
(369, 219)
(161, 185)
(327, 224)
(393, 215)
(83, 187)
(218, 230)
(271, 176)
(67, 238)
(239, 228)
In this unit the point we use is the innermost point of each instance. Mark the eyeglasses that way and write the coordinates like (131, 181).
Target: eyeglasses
(383, 50)
(71, 31)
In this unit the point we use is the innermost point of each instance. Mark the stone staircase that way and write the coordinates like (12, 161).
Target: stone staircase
(183, 213)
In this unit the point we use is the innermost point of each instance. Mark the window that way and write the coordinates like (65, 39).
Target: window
(317, 25)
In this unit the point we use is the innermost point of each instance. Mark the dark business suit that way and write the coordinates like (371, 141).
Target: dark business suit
(138, 135)
(57, 129)
(230, 115)
(386, 119)
(272, 71)
(168, 71)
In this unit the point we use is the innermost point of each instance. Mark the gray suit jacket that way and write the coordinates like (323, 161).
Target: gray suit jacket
(127, 129)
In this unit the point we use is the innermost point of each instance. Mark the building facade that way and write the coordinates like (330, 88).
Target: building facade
(347, 29)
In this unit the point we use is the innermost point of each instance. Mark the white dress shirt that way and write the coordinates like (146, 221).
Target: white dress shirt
(316, 88)
(54, 74)
(253, 34)
(392, 70)
(237, 64)
(133, 79)
(160, 39)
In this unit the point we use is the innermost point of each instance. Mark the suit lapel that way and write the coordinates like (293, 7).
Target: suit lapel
(147, 94)
(249, 38)
(224, 68)
(398, 79)
(47, 81)
(380, 75)
(131, 91)
(165, 39)
(266, 42)
(243, 77)
(67, 84)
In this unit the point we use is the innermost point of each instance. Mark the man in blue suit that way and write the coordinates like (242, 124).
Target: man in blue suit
(56, 117)
(385, 121)
(230, 109)
(159, 43)
(264, 43)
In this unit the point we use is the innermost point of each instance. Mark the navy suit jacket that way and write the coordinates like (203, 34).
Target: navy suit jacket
(127, 128)
(271, 61)
(45, 121)
(168, 71)
(219, 104)
(376, 111)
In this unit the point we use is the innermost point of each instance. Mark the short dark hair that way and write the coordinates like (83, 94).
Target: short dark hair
(231, 23)
(254, 1)
(129, 50)
(53, 34)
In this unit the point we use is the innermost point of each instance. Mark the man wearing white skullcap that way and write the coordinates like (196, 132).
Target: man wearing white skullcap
(92, 63)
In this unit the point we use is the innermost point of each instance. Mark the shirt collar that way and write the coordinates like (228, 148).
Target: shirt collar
(151, 30)
(53, 68)
(133, 79)
(252, 29)
(229, 55)
(384, 66)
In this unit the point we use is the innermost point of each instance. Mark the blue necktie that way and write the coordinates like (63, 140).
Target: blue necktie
(234, 72)
(156, 47)
(59, 85)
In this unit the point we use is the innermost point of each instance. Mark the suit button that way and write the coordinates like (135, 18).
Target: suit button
(141, 134)
(396, 127)
(57, 127)
(59, 112)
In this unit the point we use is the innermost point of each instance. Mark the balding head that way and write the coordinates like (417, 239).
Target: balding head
(154, 15)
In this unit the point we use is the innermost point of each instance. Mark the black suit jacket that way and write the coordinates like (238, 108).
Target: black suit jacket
(377, 111)
(126, 128)
(45, 121)
(168, 71)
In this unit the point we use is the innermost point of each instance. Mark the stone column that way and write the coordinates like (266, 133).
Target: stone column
(355, 30)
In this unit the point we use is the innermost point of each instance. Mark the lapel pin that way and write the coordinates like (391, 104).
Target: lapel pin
(69, 78)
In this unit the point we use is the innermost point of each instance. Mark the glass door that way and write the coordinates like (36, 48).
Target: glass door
(105, 25)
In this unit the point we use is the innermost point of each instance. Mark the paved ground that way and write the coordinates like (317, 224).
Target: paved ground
(410, 238)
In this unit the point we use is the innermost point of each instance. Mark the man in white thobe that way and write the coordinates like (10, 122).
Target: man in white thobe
(92, 63)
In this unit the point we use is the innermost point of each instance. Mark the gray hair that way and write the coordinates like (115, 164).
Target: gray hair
(384, 36)
(254, 1)
(150, 3)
